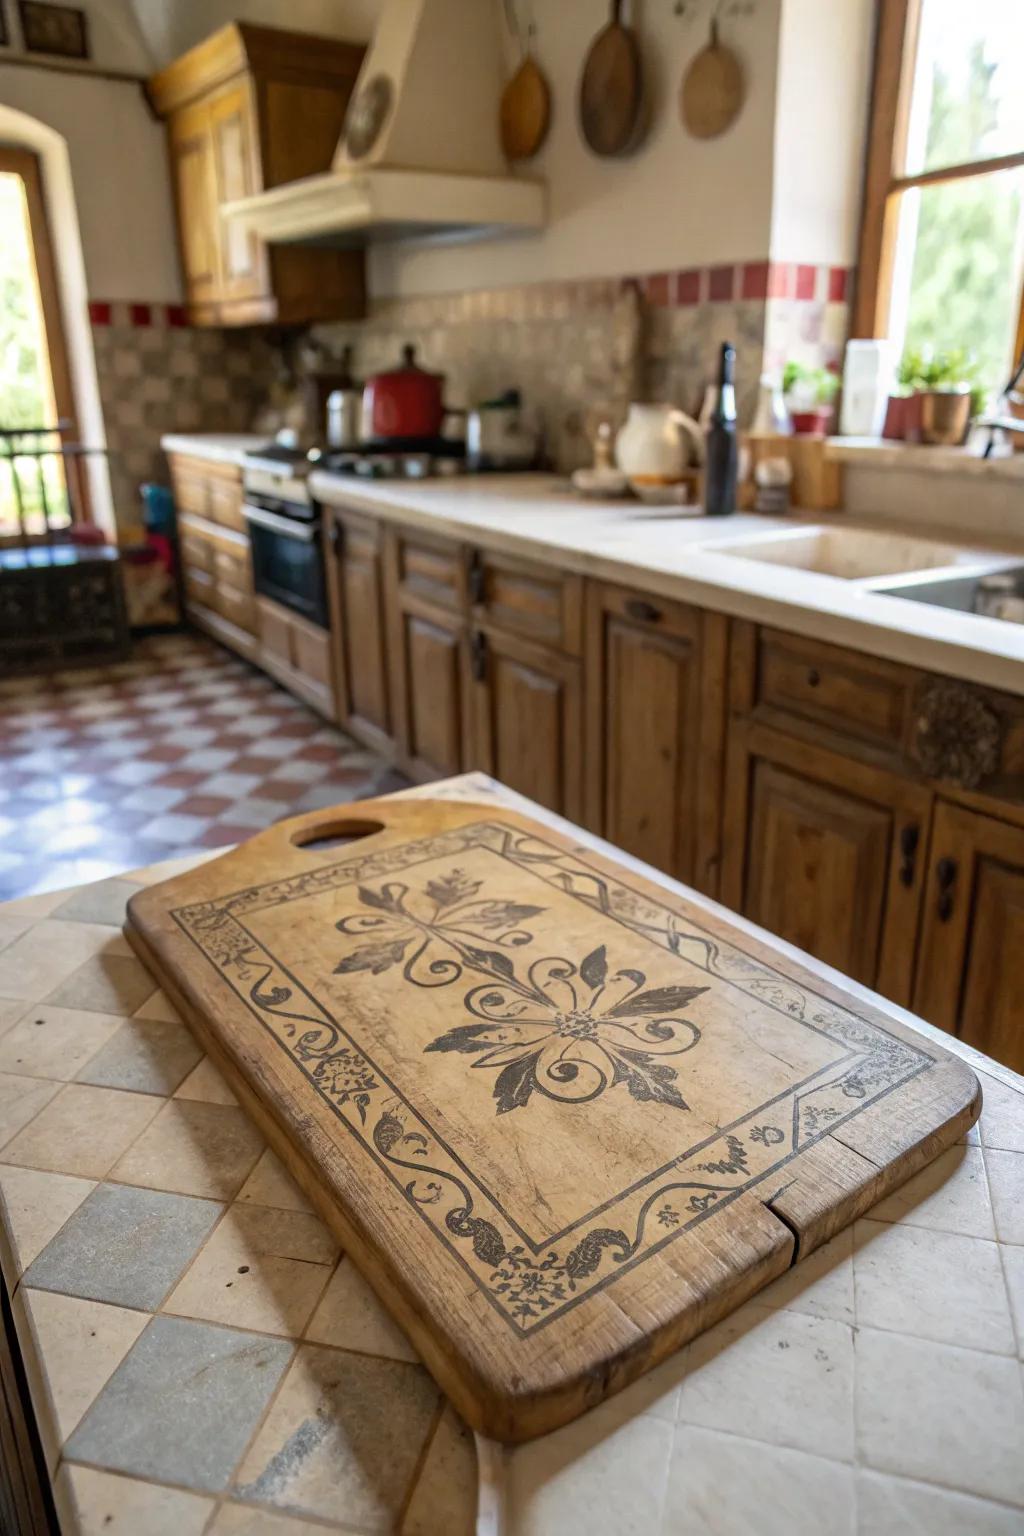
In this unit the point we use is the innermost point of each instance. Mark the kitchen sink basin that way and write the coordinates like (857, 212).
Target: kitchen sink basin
(967, 593)
(855, 554)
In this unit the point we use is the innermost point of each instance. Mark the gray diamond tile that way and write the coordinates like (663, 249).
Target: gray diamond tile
(146, 1056)
(124, 1245)
(182, 1406)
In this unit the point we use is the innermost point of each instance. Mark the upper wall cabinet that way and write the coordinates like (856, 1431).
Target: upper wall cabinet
(246, 110)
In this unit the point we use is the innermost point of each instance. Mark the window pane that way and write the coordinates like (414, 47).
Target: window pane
(968, 94)
(959, 269)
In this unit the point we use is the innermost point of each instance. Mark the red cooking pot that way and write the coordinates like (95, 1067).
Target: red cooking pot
(406, 402)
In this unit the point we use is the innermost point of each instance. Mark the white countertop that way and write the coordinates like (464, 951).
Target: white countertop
(665, 552)
(221, 447)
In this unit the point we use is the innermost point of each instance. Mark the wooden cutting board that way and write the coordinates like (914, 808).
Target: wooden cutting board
(561, 1119)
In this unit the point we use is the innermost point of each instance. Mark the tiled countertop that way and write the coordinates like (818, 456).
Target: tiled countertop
(203, 1360)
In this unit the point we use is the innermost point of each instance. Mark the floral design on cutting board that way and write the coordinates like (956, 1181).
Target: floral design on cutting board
(568, 1031)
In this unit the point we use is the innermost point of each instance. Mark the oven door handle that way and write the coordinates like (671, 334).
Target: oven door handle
(305, 533)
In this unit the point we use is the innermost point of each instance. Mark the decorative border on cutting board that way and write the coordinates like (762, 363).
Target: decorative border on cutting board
(529, 1282)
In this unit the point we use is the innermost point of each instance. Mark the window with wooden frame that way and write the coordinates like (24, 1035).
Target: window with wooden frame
(941, 265)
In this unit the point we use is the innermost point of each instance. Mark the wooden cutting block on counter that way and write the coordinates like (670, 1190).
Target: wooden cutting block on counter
(561, 1119)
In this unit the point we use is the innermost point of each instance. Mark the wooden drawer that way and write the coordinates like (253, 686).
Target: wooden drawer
(656, 615)
(195, 548)
(189, 485)
(224, 501)
(232, 564)
(431, 569)
(200, 587)
(236, 606)
(533, 601)
(858, 696)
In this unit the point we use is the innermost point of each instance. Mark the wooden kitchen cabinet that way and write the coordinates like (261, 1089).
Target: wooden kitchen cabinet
(527, 719)
(827, 853)
(296, 653)
(355, 589)
(970, 973)
(653, 729)
(246, 110)
(213, 546)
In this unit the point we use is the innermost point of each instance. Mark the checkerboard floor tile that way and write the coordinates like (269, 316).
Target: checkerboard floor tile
(183, 748)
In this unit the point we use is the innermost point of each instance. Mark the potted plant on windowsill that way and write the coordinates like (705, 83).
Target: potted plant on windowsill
(937, 395)
(810, 395)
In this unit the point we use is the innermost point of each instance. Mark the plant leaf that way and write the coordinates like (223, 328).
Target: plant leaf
(491, 960)
(594, 968)
(381, 900)
(648, 1081)
(374, 958)
(661, 1000)
(513, 1086)
(463, 1038)
(495, 914)
(449, 889)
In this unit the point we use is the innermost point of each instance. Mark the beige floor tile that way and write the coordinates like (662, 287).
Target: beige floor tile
(246, 1520)
(954, 1417)
(723, 1485)
(11, 928)
(351, 1317)
(950, 1195)
(932, 1285)
(1002, 1116)
(1013, 1269)
(891, 1506)
(82, 1130)
(444, 1499)
(820, 1285)
(55, 1042)
(82, 1343)
(344, 1434)
(193, 1149)
(1006, 1181)
(158, 1006)
(205, 1083)
(47, 953)
(270, 1183)
(33, 1208)
(261, 1269)
(573, 1480)
(786, 1378)
(21, 1098)
(34, 908)
(11, 1010)
(92, 1503)
(152, 874)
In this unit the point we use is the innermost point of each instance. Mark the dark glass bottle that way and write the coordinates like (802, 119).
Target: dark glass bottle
(720, 446)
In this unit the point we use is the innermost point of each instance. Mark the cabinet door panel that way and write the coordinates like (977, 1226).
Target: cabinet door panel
(236, 173)
(434, 695)
(195, 189)
(355, 587)
(827, 853)
(528, 714)
(649, 744)
(970, 977)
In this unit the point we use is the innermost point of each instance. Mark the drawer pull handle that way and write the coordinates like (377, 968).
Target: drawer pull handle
(478, 656)
(945, 878)
(476, 578)
(640, 608)
(910, 837)
(813, 677)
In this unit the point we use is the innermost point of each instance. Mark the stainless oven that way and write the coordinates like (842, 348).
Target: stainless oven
(285, 534)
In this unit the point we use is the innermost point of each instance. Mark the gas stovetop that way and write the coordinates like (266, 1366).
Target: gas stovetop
(398, 458)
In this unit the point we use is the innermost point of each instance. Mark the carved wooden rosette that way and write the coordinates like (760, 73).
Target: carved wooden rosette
(956, 733)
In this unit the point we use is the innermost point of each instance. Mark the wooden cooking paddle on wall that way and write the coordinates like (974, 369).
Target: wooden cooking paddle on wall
(525, 113)
(713, 89)
(611, 89)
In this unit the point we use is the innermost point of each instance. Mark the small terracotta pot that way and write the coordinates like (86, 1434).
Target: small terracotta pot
(903, 419)
(813, 423)
(945, 415)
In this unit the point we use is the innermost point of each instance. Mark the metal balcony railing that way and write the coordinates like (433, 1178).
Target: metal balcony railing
(42, 482)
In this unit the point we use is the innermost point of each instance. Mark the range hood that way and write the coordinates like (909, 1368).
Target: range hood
(420, 153)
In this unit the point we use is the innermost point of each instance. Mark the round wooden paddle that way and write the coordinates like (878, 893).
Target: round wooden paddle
(713, 90)
(610, 89)
(525, 111)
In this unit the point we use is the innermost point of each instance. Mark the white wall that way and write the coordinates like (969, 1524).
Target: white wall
(676, 203)
(119, 174)
(824, 77)
(172, 26)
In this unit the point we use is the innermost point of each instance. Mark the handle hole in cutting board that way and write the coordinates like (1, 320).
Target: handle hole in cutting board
(335, 834)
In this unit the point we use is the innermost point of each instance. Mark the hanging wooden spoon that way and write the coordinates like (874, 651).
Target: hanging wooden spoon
(610, 89)
(525, 113)
(713, 89)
